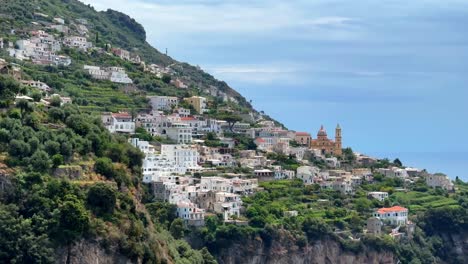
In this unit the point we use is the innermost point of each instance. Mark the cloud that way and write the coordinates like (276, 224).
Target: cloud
(229, 17)
(335, 21)
(257, 74)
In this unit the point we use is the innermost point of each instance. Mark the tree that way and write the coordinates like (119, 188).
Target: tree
(24, 106)
(57, 160)
(314, 227)
(20, 242)
(102, 198)
(52, 147)
(18, 148)
(362, 205)
(40, 161)
(397, 162)
(348, 155)
(166, 78)
(56, 114)
(230, 118)
(55, 101)
(8, 89)
(177, 228)
(162, 213)
(73, 221)
(105, 167)
(78, 123)
(37, 96)
(207, 257)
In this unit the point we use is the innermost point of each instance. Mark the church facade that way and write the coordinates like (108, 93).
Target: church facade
(326, 145)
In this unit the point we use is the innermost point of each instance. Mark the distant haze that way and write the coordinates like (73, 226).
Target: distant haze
(392, 73)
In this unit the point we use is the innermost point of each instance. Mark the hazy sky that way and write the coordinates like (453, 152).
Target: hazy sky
(393, 73)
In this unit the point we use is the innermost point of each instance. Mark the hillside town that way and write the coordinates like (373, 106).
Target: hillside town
(201, 179)
(204, 163)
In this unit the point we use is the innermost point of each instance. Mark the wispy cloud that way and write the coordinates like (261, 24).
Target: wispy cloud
(220, 16)
(258, 74)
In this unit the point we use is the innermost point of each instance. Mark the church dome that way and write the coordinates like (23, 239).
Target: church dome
(322, 132)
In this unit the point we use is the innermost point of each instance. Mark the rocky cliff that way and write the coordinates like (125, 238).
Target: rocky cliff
(455, 247)
(284, 252)
(88, 252)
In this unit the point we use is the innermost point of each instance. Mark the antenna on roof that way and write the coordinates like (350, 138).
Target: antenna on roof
(166, 51)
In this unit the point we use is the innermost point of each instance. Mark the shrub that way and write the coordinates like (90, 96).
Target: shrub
(40, 161)
(102, 198)
(105, 167)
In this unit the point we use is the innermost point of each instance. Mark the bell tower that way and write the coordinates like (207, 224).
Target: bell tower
(338, 142)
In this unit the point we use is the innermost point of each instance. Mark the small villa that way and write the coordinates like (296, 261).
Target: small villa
(395, 215)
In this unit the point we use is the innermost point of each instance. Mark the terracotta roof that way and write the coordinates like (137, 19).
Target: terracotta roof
(392, 209)
(122, 115)
(302, 134)
(187, 118)
(260, 140)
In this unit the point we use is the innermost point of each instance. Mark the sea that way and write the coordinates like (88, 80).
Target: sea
(452, 164)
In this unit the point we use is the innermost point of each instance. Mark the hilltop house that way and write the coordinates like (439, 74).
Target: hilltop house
(190, 213)
(118, 122)
(393, 172)
(395, 215)
(163, 102)
(77, 42)
(439, 180)
(378, 195)
(37, 84)
(303, 138)
(180, 133)
(113, 74)
(198, 103)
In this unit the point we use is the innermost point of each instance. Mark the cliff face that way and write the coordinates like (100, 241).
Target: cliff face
(455, 247)
(87, 252)
(284, 251)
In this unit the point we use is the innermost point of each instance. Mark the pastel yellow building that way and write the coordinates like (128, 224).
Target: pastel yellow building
(326, 145)
(198, 103)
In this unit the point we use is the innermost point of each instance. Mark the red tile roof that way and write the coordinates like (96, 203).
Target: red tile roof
(187, 118)
(392, 209)
(121, 115)
(302, 134)
(260, 140)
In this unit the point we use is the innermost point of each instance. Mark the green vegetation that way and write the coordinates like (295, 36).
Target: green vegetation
(42, 208)
(40, 212)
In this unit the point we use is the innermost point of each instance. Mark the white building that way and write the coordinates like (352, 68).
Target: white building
(307, 174)
(183, 112)
(180, 133)
(281, 174)
(118, 75)
(393, 172)
(159, 168)
(216, 184)
(113, 74)
(163, 102)
(118, 122)
(37, 84)
(395, 215)
(190, 213)
(143, 146)
(228, 204)
(77, 42)
(59, 20)
(378, 195)
(184, 156)
(97, 72)
(62, 60)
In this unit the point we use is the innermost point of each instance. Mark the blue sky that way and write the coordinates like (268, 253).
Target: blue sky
(392, 73)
